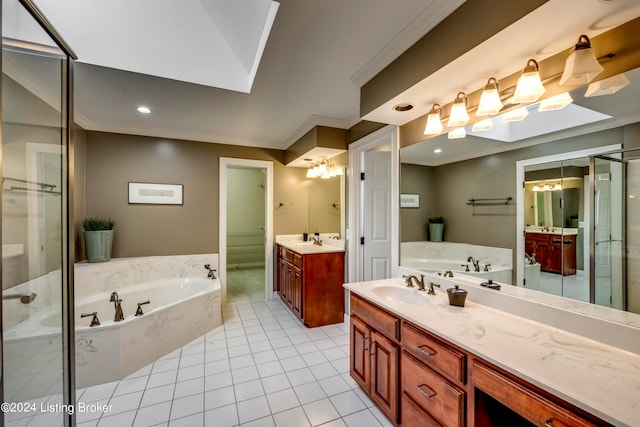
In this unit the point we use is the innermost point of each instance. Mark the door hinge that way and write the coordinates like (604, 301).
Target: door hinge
(362, 240)
(361, 176)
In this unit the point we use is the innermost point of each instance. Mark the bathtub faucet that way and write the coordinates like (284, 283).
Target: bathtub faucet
(118, 304)
(211, 274)
(24, 298)
(409, 281)
(475, 262)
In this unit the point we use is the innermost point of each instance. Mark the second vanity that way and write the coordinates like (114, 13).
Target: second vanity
(424, 362)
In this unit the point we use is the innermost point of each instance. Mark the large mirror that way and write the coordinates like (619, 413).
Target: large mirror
(326, 205)
(476, 186)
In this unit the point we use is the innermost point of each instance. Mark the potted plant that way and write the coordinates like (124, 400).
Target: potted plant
(98, 238)
(573, 221)
(436, 228)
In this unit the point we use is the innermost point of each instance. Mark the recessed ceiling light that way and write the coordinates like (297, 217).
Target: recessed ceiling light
(438, 150)
(144, 110)
(402, 107)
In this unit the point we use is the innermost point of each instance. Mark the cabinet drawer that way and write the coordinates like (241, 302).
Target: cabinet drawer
(297, 260)
(441, 400)
(379, 319)
(524, 401)
(413, 415)
(444, 360)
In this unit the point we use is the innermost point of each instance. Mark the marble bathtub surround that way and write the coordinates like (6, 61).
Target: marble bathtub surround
(457, 251)
(599, 378)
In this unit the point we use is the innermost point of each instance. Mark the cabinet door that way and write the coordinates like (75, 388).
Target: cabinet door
(296, 291)
(360, 360)
(283, 280)
(384, 374)
(543, 254)
(568, 255)
(555, 258)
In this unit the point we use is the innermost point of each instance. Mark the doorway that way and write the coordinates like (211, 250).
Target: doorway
(246, 224)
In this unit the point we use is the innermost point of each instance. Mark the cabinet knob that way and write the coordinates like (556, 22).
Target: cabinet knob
(427, 350)
(548, 422)
(567, 242)
(428, 392)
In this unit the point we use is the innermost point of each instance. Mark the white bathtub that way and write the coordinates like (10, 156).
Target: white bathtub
(497, 273)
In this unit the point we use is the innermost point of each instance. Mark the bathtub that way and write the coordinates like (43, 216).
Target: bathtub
(498, 273)
(183, 305)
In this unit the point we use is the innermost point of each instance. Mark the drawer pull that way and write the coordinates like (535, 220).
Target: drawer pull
(427, 350)
(548, 423)
(428, 392)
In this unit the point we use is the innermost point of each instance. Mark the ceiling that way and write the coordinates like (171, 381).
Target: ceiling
(317, 56)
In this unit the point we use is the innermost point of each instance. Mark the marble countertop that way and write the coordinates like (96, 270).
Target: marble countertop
(599, 378)
(306, 248)
(555, 230)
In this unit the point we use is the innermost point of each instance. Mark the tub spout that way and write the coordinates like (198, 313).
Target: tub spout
(24, 298)
(118, 304)
(475, 262)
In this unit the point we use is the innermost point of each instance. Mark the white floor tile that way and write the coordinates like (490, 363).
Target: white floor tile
(293, 417)
(162, 378)
(226, 416)
(239, 350)
(248, 390)
(221, 397)
(189, 387)
(275, 383)
(323, 370)
(270, 368)
(261, 422)
(309, 392)
(189, 421)
(124, 403)
(334, 385)
(215, 381)
(156, 395)
(152, 415)
(241, 361)
(131, 385)
(361, 419)
(118, 420)
(282, 400)
(186, 406)
(300, 376)
(244, 374)
(265, 356)
(320, 412)
(190, 372)
(253, 409)
(347, 403)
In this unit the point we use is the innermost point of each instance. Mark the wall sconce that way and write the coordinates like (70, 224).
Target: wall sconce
(490, 102)
(529, 87)
(607, 86)
(516, 115)
(581, 66)
(457, 133)
(557, 102)
(459, 115)
(483, 125)
(434, 122)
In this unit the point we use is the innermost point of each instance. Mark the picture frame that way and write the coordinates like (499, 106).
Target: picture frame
(155, 194)
(409, 200)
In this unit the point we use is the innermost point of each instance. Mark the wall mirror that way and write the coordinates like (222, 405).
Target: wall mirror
(554, 195)
(326, 205)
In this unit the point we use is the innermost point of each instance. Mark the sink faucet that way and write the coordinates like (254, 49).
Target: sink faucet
(118, 304)
(409, 281)
(475, 262)
(447, 273)
(210, 275)
(431, 291)
(316, 241)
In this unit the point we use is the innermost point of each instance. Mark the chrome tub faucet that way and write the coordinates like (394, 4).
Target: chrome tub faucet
(118, 304)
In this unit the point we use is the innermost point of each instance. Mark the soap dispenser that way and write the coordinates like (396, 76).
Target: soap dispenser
(457, 296)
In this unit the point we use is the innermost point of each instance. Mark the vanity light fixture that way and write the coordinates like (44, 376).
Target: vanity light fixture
(483, 125)
(581, 66)
(457, 133)
(323, 169)
(557, 187)
(490, 102)
(516, 115)
(546, 187)
(434, 123)
(557, 102)
(607, 86)
(143, 109)
(529, 87)
(459, 115)
(536, 188)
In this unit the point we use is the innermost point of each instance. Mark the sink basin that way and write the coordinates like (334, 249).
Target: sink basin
(403, 295)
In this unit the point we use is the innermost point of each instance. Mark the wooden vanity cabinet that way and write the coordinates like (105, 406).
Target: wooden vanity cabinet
(311, 285)
(375, 354)
(555, 253)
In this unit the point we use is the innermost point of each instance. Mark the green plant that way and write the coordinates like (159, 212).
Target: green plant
(97, 224)
(436, 220)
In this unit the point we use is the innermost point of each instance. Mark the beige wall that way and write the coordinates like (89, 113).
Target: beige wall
(113, 160)
(416, 179)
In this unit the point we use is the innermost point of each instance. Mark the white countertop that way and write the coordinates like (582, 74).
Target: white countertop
(306, 248)
(560, 231)
(596, 377)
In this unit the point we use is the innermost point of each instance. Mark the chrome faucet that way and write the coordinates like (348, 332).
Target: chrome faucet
(316, 240)
(409, 281)
(211, 274)
(118, 304)
(475, 262)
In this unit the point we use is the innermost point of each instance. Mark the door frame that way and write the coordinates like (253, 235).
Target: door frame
(520, 209)
(386, 135)
(225, 162)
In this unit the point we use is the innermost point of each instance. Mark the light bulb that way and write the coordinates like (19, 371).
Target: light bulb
(529, 87)
(459, 115)
(434, 123)
(490, 102)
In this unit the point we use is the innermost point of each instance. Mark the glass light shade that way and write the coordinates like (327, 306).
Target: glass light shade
(310, 173)
(536, 188)
(490, 102)
(322, 169)
(557, 102)
(581, 66)
(459, 115)
(434, 123)
(529, 87)
(607, 86)
(516, 115)
(338, 172)
(457, 133)
(483, 125)
(557, 187)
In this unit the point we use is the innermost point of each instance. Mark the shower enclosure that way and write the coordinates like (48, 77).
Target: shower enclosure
(37, 369)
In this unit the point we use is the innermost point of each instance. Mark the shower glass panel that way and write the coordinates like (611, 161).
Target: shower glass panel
(609, 233)
(34, 218)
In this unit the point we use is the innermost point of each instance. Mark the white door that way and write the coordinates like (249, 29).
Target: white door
(377, 215)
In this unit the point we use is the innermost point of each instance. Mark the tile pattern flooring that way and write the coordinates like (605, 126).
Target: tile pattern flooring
(245, 284)
(261, 368)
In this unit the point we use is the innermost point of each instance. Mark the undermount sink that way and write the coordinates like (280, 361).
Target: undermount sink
(403, 295)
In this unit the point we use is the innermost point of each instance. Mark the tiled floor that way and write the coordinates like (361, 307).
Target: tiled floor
(245, 284)
(261, 368)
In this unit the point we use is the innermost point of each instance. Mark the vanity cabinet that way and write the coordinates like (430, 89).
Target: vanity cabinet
(555, 253)
(311, 285)
(375, 354)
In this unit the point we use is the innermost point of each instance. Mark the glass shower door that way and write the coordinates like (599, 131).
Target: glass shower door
(35, 381)
(608, 284)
